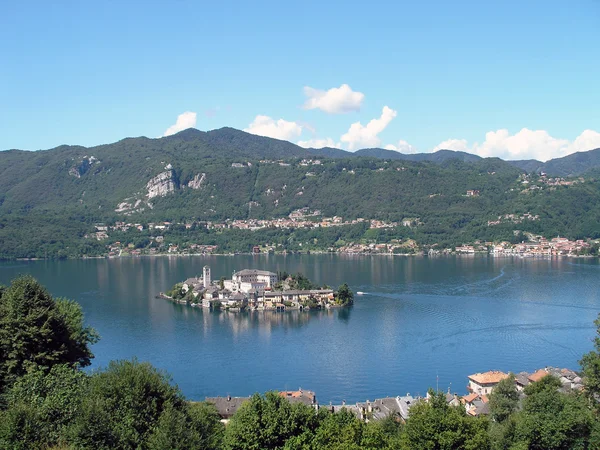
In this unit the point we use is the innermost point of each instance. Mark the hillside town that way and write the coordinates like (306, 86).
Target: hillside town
(256, 290)
(475, 402)
(158, 241)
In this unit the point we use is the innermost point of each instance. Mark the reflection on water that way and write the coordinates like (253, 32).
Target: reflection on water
(421, 318)
(264, 321)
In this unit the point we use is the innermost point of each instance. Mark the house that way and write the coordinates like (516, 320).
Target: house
(476, 405)
(473, 193)
(569, 379)
(484, 383)
(522, 380)
(537, 375)
(308, 398)
(227, 406)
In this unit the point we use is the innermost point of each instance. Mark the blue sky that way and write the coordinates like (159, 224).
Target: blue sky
(510, 79)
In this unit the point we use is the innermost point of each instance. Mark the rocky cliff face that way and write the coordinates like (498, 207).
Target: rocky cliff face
(197, 181)
(161, 185)
(83, 166)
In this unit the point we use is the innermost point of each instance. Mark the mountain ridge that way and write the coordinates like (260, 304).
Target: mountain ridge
(51, 200)
(238, 143)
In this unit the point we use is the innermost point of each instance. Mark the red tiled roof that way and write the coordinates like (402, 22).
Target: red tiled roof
(537, 376)
(469, 398)
(491, 377)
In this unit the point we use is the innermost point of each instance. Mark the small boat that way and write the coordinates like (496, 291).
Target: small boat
(360, 293)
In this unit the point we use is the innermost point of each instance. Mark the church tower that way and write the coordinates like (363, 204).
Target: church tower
(206, 276)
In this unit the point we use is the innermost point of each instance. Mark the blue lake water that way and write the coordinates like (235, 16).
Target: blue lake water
(422, 321)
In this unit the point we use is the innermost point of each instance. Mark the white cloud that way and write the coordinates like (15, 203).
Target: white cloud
(526, 144)
(319, 143)
(184, 121)
(402, 147)
(359, 136)
(278, 129)
(459, 145)
(335, 100)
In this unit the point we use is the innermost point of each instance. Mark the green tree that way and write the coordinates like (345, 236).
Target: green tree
(504, 399)
(590, 363)
(268, 422)
(123, 404)
(551, 419)
(344, 295)
(37, 331)
(40, 407)
(434, 425)
(195, 426)
(342, 430)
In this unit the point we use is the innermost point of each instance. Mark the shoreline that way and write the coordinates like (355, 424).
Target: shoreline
(406, 255)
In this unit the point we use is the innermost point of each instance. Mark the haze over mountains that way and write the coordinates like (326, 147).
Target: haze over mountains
(230, 142)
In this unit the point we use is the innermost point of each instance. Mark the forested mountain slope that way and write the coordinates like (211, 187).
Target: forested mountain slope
(56, 195)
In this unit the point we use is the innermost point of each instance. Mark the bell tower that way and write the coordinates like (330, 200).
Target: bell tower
(206, 276)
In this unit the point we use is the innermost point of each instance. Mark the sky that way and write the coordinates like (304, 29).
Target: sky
(513, 79)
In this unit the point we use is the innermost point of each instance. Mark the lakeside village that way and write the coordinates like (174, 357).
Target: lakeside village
(158, 244)
(257, 290)
(476, 402)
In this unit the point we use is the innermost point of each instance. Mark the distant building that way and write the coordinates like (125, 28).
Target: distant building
(308, 398)
(473, 193)
(484, 383)
(227, 406)
(257, 278)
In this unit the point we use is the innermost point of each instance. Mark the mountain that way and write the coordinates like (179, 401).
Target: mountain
(573, 165)
(528, 165)
(51, 199)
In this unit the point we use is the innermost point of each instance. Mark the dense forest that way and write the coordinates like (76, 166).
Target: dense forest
(50, 200)
(48, 402)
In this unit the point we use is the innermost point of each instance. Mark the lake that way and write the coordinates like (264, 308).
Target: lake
(422, 321)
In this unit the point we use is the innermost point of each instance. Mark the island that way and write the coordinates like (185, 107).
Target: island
(258, 290)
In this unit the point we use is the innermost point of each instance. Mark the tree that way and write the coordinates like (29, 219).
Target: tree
(122, 406)
(504, 399)
(195, 426)
(268, 422)
(345, 295)
(38, 332)
(433, 425)
(551, 419)
(40, 407)
(342, 430)
(590, 363)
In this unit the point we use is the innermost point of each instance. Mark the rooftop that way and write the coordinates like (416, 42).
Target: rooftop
(538, 375)
(490, 377)
(247, 272)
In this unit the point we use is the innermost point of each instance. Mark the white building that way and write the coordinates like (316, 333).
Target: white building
(251, 279)
(484, 383)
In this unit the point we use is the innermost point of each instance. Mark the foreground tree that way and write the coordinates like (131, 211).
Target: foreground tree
(340, 430)
(504, 399)
(196, 426)
(590, 363)
(39, 332)
(434, 425)
(40, 407)
(551, 419)
(123, 405)
(268, 422)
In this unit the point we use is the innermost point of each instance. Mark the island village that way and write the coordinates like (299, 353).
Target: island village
(476, 402)
(257, 290)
